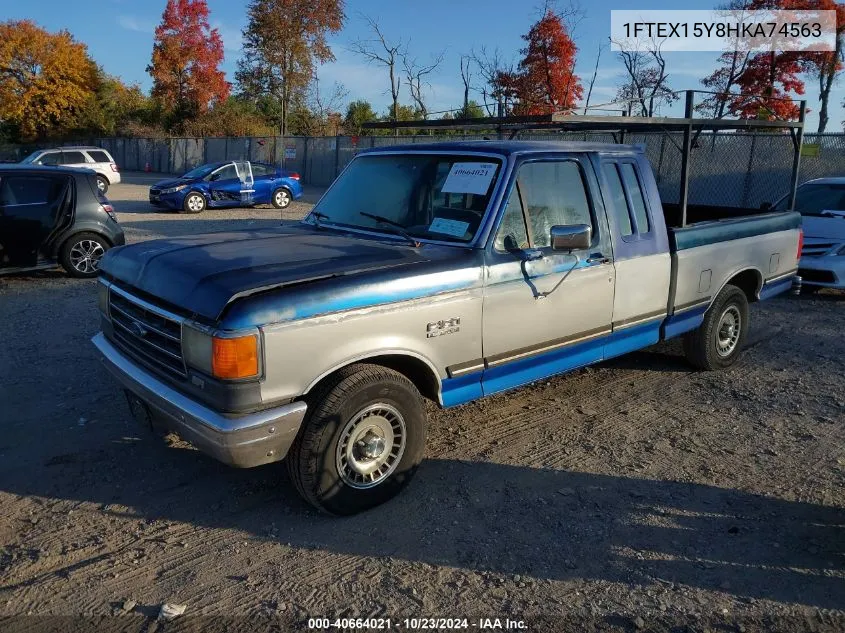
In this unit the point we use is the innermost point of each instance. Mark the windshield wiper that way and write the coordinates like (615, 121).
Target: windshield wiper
(398, 228)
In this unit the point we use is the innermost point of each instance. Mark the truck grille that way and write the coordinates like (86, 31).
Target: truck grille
(816, 250)
(147, 332)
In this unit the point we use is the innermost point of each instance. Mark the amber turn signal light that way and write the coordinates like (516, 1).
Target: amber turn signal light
(234, 357)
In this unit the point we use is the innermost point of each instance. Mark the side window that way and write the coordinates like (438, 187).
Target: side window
(99, 156)
(30, 190)
(225, 173)
(632, 184)
(617, 198)
(512, 233)
(554, 194)
(73, 158)
(50, 158)
(259, 170)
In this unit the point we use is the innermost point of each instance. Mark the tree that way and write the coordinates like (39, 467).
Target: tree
(499, 77)
(469, 111)
(466, 78)
(547, 81)
(646, 84)
(592, 83)
(112, 106)
(46, 80)
(380, 50)
(319, 113)
(358, 113)
(186, 60)
(415, 76)
(825, 66)
(282, 43)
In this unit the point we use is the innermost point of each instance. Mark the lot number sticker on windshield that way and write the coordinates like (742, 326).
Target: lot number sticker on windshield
(469, 178)
(448, 227)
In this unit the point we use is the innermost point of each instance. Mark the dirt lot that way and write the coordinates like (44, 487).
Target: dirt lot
(636, 494)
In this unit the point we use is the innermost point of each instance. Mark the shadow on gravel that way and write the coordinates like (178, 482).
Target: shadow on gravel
(486, 517)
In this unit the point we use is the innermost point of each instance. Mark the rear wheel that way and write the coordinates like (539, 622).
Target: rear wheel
(361, 442)
(81, 254)
(281, 198)
(102, 184)
(716, 343)
(194, 203)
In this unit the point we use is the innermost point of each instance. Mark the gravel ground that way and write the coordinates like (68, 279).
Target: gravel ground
(634, 495)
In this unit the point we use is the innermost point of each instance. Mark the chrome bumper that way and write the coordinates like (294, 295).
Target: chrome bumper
(246, 441)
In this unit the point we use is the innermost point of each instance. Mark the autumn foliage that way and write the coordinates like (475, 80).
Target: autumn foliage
(186, 60)
(546, 80)
(46, 79)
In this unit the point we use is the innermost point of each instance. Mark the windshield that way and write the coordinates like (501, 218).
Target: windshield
(814, 199)
(32, 156)
(438, 197)
(200, 172)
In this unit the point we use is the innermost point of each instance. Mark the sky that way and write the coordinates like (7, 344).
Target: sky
(119, 36)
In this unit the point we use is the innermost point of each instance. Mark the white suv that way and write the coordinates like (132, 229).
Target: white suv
(94, 158)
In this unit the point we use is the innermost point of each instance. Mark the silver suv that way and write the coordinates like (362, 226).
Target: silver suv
(94, 158)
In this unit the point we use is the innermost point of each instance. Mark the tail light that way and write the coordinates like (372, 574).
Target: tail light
(114, 167)
(800, 242)
(293, 175)
(110, 210)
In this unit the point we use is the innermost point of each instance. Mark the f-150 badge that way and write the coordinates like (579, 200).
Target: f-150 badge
(445, 326)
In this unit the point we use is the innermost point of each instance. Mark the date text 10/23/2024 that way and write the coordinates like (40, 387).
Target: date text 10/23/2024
(417, 624)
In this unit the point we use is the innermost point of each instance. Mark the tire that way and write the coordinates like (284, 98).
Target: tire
(80, 254)
(281, 198)
(716, 343)
(194, 203)
(102, 184)
(359, 403)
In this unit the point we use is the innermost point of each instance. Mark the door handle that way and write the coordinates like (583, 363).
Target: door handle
(597, 258)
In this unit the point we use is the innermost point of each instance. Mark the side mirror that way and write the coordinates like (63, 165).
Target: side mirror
(571, 237)
(765, 206)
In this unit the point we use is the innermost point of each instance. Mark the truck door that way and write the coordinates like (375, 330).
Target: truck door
(641, 254)
(30, 208)
(546, 311)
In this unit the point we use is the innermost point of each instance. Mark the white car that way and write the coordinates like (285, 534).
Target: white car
(821, 203)
(95, 158)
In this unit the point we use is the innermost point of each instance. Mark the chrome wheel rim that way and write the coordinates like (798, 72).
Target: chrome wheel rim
(195, 202)
(728, 330)
(85, 255)
(371, 446)
(282, 198)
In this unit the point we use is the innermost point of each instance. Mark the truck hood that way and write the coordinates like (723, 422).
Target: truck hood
(820, 227)
(201, 274)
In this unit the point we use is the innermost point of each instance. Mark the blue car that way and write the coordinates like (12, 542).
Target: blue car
(228, 184)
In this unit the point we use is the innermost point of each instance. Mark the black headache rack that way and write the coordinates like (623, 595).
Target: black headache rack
(509, 127)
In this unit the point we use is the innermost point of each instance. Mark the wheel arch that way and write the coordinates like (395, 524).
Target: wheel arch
(419, 370)
(76, 230)
(749, 280)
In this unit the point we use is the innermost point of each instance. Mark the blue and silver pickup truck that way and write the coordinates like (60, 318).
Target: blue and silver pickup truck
(446, 271)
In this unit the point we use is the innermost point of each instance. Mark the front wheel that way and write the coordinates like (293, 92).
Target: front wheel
(80, 255)
(716, 343)
(361, 441)
(194, 203)
(281, 198)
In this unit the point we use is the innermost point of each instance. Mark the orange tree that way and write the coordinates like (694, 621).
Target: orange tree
(186, 60)
(46, 80)
(546, 80)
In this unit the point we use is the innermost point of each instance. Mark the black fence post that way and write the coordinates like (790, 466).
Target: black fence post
(796, 158)
(685, 156)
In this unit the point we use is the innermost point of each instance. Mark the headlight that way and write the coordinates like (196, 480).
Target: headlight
(173, 189)
(229, 358)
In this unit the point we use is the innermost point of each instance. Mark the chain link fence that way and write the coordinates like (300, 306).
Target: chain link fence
(726, 168)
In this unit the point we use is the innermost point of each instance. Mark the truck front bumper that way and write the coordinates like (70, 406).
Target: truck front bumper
(245, 441)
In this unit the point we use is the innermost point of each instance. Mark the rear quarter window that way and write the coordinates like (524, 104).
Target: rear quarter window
(99, 156)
